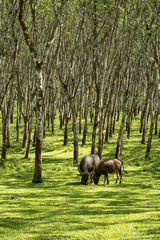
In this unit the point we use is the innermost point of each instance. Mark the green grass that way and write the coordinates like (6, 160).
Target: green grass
(61, 208)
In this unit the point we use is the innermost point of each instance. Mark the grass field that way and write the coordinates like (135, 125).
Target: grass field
(62, 208)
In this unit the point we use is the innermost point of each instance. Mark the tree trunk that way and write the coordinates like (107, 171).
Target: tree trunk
(75, 132)
(8, 131)
(12, 111)
(9, 108)
(30, 124)
(101, 133)
(141, 126)
(146, 112)
(85, 120)
(25, 131)
(61, 114)
(18, 118)
(66, 124)
(95, 126)
(120, 136)
(37, 178)
(52, 119)
(3, 156)
(145, 124)
(151, 127)
(81, 108)
(107, 129)
(45, 116)
(156, 122)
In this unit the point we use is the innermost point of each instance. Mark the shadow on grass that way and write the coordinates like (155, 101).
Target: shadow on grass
(61, 205)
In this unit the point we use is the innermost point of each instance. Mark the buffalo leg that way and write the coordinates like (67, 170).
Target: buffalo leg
(120, 173)
(117, 177)
(106, 179)
(91, 177)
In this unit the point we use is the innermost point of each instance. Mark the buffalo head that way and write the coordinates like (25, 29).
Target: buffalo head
(84, 175)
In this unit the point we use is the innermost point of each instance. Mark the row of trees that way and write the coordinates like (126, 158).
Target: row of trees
(87, 59)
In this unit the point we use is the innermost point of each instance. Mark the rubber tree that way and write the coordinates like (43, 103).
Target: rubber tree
(37, 178)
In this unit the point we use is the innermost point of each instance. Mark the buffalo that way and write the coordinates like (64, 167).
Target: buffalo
(87, 167)
(113, 165)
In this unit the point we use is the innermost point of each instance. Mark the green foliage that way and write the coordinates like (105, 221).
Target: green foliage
(61, 208)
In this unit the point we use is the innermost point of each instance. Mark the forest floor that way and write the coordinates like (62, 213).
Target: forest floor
(61, 208)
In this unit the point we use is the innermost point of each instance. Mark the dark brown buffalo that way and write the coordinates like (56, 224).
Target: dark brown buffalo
(87, 167)
(113, 165)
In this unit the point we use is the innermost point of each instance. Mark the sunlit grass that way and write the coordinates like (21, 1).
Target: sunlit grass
(61, 208)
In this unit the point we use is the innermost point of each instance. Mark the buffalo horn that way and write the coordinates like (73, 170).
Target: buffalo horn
(92, 171)
(81, 173)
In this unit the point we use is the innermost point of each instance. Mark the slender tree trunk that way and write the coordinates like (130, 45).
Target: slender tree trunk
(52, 118)
(45, 116)
(142, 117)
(120, 136)
(145, 124)
(114, 122)
(3, 156)
(66, 124)
(118, 114)
(8, 132)
(18, 118)
(61, 114)
(111, 116)
(37, 178)
(12, 111)
(146, 112)
(85, 120)
(9, 108)
(145, 127)
(107, 128)
(66, 133)
(101, 133)
(53, 110)
(95, 126)
(25, 131)
(80, 117)
(81, 108)
(156, 121)
(111, 124)
(30, 124)
(128, 126)
(149, 143)
(29, 142)
(34, 138)
(75, 132)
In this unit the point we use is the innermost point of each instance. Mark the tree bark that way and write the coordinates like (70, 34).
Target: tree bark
(120, 136)
(149, 143)
(65, 142)
(30, 124)
(75, 132)
(37, 178)
(85, 119)
(25, 131)
(95, 125)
